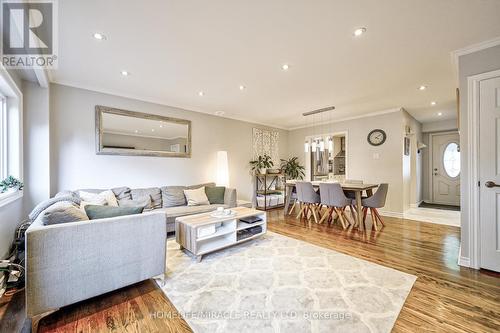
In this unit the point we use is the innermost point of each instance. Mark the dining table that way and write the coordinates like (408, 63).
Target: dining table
(358, 190)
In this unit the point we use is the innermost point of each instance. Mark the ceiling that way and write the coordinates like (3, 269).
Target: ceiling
(175, 49)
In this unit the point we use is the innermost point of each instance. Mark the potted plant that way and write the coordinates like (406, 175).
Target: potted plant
(10, 184)
(261, 164)
(292, 169)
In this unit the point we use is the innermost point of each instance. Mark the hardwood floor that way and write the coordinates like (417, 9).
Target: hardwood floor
(445, 297)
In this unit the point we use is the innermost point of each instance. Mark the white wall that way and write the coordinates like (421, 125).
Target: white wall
(470, 64)
(74, 163)
(361, 163)
(36, 145)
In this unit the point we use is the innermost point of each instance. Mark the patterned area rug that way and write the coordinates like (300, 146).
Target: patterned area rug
(280, 284)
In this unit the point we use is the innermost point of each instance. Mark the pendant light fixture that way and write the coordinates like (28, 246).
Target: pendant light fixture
(315, 142)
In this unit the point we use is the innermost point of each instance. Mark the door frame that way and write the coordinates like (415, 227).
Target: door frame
(473, 186)
(431, 158)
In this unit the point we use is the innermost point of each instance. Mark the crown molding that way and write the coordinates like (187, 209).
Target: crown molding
(471, 49)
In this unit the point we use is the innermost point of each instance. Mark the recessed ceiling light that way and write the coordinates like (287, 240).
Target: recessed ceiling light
(125, 73)
(359, 31)
(219, 113)
(152, 130)
(136, 131)
(433, 103)
(242, 87)
(201, 93)
(99, 36)
(422, 87)
(285, 67)
(161, 126)
(440, 114)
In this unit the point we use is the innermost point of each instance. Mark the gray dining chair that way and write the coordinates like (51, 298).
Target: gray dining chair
(308, 199)
(293, 196)
(352, 194)
(333, 197)
(375, 202)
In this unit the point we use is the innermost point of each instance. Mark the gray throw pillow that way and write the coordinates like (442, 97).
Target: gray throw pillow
(63, 212)
(95, 212)
(122, 193)
(47, 203)
(144, 203)
(215, 194)
(173, 196)
(144, 193)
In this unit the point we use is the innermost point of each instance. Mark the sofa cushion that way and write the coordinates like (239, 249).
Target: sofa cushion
(122, 193)
(173, 196)
(196, 197)
(145, 203)
(215, 194)
(95, 212)
(194, 187)
(96, 198)
(47, 203)
(144, 193)
(63, 212)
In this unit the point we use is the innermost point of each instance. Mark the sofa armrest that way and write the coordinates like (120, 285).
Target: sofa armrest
(67, 263)
(230, 197)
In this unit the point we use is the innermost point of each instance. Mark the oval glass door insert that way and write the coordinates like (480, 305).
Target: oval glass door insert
(451, 160)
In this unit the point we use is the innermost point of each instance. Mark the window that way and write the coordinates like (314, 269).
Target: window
(451, 160)
(3, 137)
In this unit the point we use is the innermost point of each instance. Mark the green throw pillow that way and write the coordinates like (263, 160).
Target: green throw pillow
(215, 194)
(95, 212)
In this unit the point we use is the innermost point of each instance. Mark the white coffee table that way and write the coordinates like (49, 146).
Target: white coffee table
(188, 230)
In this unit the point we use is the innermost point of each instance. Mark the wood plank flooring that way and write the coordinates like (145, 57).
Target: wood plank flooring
(445, 297)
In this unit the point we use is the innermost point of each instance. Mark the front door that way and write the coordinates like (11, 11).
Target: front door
(446, 169)
(489, 172)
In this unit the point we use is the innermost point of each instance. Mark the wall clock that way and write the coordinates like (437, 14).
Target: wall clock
(377, 137)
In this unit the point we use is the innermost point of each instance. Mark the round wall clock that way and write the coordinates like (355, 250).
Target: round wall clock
(377, 137)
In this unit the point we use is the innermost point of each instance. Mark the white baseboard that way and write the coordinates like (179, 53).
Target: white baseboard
(462, 261)
(416, 205)
(391, 214)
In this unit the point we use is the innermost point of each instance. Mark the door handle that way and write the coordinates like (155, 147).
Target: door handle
(491, 184)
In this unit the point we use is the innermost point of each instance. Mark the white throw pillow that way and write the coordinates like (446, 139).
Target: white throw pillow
(96, 198)
(196, 197)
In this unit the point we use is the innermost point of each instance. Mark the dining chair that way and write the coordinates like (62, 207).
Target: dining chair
(375, 202)
(308, 199)
(352, 194)
(293, 196)
(333, 197)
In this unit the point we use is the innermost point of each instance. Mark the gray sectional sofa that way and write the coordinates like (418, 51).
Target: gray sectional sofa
(70, 262)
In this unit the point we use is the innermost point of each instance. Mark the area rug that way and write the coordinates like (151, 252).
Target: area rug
(280, 284)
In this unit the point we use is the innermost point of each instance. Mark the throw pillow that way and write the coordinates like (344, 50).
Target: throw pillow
(47, 203)
(196, 197)
(144, 203)
(173, 196)
(142, 193)
(63, 212)
(95, 212)
(97, 202)
(215, 194)
(107, 195)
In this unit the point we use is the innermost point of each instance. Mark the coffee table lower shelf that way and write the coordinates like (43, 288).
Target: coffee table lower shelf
(188, 229)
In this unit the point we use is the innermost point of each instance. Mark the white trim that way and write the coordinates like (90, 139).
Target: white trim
(431, 162)
(471, 49)
(416, 205)
(462, 261)
(365, 115)
(7, 198)
(391, 214)
(472, 135)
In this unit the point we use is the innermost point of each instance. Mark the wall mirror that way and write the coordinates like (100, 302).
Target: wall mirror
(121, 132)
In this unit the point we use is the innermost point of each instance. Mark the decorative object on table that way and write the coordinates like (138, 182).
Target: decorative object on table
(122, 132)
(266, 142)
(221, 212)
(222, 169)
(10, 183)
(292, 168)
(261, 164)
(407, 146)
(270, 191)
(377, 137)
